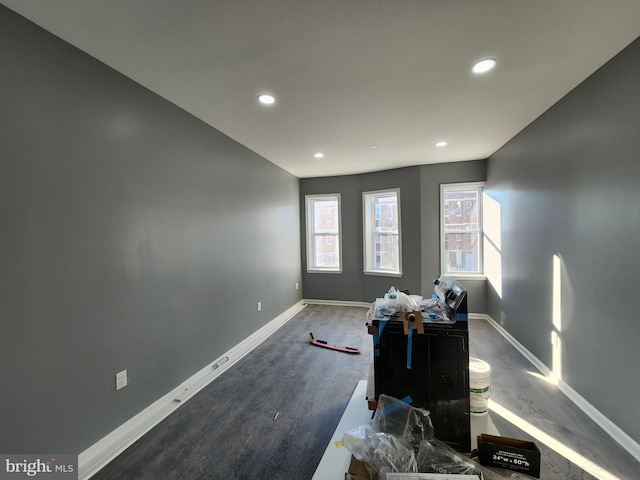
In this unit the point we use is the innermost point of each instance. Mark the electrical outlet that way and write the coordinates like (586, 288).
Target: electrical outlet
(259, 306)
(121, 380)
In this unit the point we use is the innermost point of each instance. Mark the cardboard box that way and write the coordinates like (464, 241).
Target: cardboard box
(503, 452)
(357, 470)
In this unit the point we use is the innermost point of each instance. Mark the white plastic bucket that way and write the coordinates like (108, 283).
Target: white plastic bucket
(479, 386)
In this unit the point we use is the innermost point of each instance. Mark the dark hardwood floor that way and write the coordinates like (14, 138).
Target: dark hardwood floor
(272, 414)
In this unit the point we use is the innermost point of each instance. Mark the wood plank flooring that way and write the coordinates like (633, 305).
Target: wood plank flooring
(520, 389)
(272, 414)
(229, 430)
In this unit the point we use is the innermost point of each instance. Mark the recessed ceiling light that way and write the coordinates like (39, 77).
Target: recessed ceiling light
(375, 146)
(484, 65)
(441, 143)
(266, 98)
(318, 155)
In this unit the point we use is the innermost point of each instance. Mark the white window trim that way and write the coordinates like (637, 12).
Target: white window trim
(310, 220)
(368, 211)
(463, 186)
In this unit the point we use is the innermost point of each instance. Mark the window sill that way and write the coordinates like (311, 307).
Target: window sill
(462, 276)
(382, 274)
(309, 270)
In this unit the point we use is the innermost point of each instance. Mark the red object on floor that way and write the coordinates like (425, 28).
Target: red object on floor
(331, 346)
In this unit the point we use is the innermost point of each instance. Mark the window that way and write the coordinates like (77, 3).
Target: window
(324, 248)
(461, 228)
(382, 244)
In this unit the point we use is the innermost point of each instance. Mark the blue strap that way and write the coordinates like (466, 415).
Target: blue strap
(394, 406)
(376, 336)
(409, 343)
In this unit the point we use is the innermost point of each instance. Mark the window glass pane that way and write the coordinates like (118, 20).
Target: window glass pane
(462, 253)
(386, 251)
(461, 210)
(323, 232)
(461, 228)
(327, 253)
(325, 216)
(382, 232)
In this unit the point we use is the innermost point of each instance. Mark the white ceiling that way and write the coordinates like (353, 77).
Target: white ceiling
(349, 74)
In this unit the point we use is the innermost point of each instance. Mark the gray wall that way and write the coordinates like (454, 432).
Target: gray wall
(352, 284)
(420, 217)
(431, 176)
(568, 186)
(133, 237)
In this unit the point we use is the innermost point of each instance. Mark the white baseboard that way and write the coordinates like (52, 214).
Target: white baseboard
(340, 303)
(542, 368)
(103, 451)
(625, 441)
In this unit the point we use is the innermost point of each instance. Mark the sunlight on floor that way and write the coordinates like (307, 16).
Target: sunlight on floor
(550, 380)
(559, 447)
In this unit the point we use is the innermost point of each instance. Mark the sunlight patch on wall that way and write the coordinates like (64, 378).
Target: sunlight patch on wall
(492, 242)
(556, 338)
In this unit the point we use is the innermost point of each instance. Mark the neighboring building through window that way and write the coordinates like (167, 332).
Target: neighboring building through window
(461, 213)
(324, 247)
(382, 243)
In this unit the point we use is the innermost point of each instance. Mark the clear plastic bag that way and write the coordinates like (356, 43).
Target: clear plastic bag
(435, 456)
(442, 287)
(389, 441)
(399, 439)
(381, 452)
(396, 417)
(401, 300)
